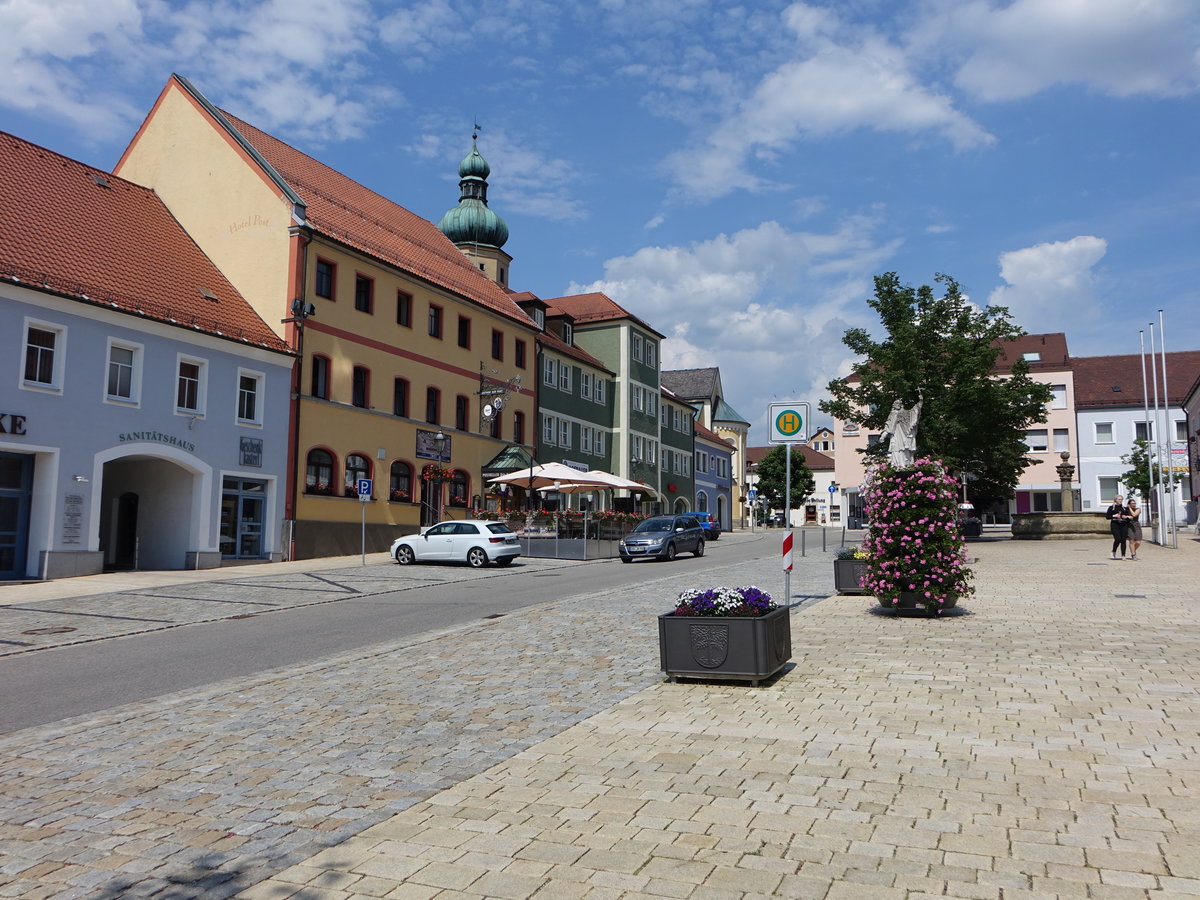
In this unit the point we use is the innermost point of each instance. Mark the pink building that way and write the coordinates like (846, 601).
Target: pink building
(1049, 363)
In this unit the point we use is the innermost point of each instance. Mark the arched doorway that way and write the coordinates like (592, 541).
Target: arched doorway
(153, 513)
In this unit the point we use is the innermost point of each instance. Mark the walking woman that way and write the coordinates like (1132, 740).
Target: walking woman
(1135, 528)
(1118, 518)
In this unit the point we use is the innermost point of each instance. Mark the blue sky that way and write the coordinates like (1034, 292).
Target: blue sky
(733, 174)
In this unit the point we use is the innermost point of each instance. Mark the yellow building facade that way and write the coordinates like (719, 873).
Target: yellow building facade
(406, 345)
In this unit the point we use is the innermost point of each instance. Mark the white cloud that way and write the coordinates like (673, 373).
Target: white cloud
(767, 305)
(1050, 286)
(841, 79)
(1121, 47)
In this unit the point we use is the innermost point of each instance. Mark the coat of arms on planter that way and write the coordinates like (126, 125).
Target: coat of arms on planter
(710, 644)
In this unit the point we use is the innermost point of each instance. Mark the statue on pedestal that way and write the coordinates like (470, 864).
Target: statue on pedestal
(901, 427)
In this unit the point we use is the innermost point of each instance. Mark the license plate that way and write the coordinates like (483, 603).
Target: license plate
(636, 549)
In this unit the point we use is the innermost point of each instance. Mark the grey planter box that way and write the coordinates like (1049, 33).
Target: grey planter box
(745, 649)
(848, 575)
(916, 604)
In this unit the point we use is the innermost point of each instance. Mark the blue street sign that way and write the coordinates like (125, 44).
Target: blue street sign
(833, 489)
(364, 487)
(752, 494)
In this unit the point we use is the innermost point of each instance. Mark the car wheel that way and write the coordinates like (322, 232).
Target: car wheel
(505, 561)
(405, 555)
(669, 553)
(626, 559)
(699, 551)
(477, 558)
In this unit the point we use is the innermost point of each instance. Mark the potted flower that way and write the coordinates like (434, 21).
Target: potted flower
(436, 472)
(724, 632)
(318, 487)
(399, 496)
(850, 570)
(916, 556)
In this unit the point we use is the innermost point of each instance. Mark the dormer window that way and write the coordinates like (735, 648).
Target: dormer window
(1032, 356)
(567, 333)
(539, 317)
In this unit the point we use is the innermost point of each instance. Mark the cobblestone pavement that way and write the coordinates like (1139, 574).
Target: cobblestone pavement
(203, 792)
(1042, 742)
(73, 619)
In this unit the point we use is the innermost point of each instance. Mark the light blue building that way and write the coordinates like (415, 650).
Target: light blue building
(144, 406)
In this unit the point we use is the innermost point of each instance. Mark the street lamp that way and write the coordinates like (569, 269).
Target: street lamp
(439, 441)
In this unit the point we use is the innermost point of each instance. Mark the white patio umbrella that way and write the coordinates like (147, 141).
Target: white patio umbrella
(544, 476)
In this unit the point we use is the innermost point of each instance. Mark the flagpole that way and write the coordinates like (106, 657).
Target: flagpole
(1147, 502)
(1170, 484)
(1158, 488)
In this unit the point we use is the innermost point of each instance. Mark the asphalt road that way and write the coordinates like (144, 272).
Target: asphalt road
(51, 685)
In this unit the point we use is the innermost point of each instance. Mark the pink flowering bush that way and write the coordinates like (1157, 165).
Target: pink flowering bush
(913, 541)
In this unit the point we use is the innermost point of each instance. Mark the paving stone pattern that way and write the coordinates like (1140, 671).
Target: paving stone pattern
(204, 792)
(43, 624)
(1042, 742)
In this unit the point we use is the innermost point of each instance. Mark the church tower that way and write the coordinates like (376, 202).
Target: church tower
(472, 226)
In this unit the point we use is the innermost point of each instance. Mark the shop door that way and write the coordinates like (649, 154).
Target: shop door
(431, 501)
(243, 504)
(16, 479)
(126, 543)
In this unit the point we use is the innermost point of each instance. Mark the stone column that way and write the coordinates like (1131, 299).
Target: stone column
(1066, 475)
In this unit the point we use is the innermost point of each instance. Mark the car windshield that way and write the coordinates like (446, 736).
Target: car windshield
(658, 523)
(499, 528)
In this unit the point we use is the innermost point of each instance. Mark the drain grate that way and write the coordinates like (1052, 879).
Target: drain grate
(51, 629)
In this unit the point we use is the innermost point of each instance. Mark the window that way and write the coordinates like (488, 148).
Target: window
(318, 473)
(599, 443)
(189, 388)
(519, 354)
(497, 425)
(1110, 486)
(548, 372)
(400, 397)
(1181, 434)
(1035, 440)
(585, 438)
(435, 321)
(651, 403)
(1062, 440)
(320, 377)
(677, 419)
(1058, 396)
(701, 501)
(518, 427)
(564, 433)
(568, 333)
(364, 293)
(663, 412)
(1032, 356)
(636, 448)
(638, 402)
(547, 429)
(599, 389)
(1143, 431)
(326, 275)
(1104, 433)
(464, 332)
(249, 410)
(651, 354)
(637, 347)
(357, 466)
(359, 387)
(1047, 501)
(564, 376)
(585, 385)
(400, 482)
(459, 488)
(497, 344)
(43, 361)
(123, 376)
(404, 309)
(460, 412)
(433, 403)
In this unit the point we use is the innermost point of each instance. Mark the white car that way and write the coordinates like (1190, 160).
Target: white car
(476, 542)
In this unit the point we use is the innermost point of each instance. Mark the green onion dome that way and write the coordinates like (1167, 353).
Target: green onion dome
(471, 222)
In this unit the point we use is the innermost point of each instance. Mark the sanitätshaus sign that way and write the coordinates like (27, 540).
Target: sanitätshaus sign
(157, 437)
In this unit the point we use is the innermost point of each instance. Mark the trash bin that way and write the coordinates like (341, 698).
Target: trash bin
(855, 522)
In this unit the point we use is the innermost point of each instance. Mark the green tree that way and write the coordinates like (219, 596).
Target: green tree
(1137, 479)
(772, 477)
(942, 350)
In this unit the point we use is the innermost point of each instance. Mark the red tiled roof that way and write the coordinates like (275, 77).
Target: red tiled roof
(87, 234)
(1052, 348)
(1097, 376)
(708, 434)
(814, 460)
(342, 209)
(594, 307)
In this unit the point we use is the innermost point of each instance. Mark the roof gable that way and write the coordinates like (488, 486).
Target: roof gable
(1114, 381)
(85, 233)
(593, 308)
